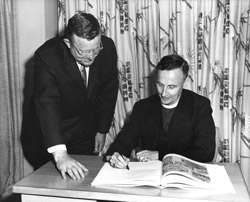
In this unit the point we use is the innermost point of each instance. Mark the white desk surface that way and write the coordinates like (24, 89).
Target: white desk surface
(46, 184)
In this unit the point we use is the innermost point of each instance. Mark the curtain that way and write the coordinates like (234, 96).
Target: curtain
(212, 35)
(11, 169)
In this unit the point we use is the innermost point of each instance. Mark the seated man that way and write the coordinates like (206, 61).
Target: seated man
(175, 120)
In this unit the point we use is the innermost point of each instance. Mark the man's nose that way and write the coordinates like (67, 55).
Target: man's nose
(164, 92)
(91, 56)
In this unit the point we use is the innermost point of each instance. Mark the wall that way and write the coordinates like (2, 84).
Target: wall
(37, 22)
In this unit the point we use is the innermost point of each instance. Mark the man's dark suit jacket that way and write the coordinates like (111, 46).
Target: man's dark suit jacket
(62, 111)
(191, 132)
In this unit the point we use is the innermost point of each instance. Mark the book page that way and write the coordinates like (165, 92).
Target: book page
(181, 172)
(220, 180)
(139, 173)
(176, 164)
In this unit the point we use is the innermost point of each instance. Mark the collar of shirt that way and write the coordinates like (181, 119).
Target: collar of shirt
(80, 66)
(172, 105)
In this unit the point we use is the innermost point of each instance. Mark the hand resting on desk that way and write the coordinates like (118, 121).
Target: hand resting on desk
(66, 164)
(147, 155)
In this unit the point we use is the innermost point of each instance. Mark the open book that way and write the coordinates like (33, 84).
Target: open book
(174, 171)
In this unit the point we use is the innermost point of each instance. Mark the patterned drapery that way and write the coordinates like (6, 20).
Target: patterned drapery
(11, 157)
(212, 35)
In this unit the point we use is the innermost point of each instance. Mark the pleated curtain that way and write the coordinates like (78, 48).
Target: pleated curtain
(11, 158)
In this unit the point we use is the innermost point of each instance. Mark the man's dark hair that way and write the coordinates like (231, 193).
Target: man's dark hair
(174, 61)
(83, 25)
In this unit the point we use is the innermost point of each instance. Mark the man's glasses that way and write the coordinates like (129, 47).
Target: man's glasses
(95, 51)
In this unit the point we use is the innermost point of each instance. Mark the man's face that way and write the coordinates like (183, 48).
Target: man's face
(85, 51)
(169, 85)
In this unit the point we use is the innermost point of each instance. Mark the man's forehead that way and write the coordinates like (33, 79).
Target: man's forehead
(173, 76)
(85, 43)
(173, 72)
(78, 39)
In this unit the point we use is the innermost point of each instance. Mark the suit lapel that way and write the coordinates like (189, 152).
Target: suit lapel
(71, 66)
(74, 72)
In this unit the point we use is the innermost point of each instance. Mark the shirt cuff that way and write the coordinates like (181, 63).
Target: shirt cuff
(58, 147)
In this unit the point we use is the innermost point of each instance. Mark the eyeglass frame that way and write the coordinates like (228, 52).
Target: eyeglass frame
(95, 51)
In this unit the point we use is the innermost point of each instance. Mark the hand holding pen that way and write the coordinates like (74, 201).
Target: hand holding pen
(118, 161)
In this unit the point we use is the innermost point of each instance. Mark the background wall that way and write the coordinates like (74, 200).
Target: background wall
(37, 22)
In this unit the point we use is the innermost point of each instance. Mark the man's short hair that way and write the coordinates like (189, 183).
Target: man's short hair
(173, 61)
(83, 25)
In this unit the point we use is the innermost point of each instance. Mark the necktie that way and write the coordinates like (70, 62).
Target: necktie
(84, 75)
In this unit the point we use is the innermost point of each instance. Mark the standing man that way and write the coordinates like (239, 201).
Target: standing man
(174, 120)
(74, 95)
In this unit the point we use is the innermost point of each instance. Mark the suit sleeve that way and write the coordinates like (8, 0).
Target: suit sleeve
(47, 101)
(202, 147)
(109, 94)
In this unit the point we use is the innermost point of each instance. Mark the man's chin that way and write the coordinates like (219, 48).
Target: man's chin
(165, 103)
(86, 63)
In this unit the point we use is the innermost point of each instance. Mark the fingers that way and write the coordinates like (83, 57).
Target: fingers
(71, 167)
(99, 142)
(63, 173)
(146, 155)
(143, 159)
(142, 156)
(98, 147)
(118, 161)
(75, 172)
(83, 167)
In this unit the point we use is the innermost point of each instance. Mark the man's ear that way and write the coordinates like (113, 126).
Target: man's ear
(187, 83)
(67, 42)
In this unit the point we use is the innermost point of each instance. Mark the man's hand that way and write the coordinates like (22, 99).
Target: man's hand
(99, 142)
(146, 155)
(66, 164)
(118, 161)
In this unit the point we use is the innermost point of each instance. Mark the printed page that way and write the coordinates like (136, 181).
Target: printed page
(219, 181)
(176, 164)
(139, 174)
(181, 172)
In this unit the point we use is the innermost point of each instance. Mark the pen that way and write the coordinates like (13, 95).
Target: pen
(127, 164)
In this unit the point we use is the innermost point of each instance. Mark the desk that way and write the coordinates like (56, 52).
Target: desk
(46, 184)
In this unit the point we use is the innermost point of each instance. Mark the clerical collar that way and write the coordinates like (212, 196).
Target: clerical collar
(170, 106)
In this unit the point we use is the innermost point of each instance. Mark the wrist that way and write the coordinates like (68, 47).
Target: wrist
(58, 155)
